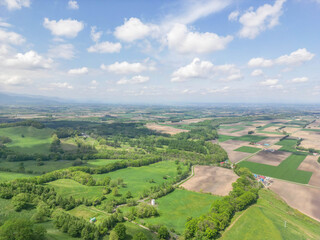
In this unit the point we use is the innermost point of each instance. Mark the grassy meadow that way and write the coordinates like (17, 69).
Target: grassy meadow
(69, 187)
(28, 139)
(267, 218)
(137, 179)
(176, 207)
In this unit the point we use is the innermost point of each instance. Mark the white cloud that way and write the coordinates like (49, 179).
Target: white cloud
(218, 90)
(62, 85)
(257, 72)
(206, 70)
(182, 40)
(14, 80)
(29, 60)
(78, 71)
(233, 16)
(133, 29)
(299, 79)
(265, 17)
(4, 24)
(11, 37)
(295, 58)
(15, 4)
(105, 47)
(73, 5)
(65, 51)
(192, 10)
(95, 36)
(64, 27)
(134, 80)
(126, 68)
(270, 82)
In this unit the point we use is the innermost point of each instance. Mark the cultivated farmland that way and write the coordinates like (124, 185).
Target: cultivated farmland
(209, 179)
(286, 170)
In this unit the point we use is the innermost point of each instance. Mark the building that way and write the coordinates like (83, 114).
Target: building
(153, 202)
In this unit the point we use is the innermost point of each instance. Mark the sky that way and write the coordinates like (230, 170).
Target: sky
(162, 51)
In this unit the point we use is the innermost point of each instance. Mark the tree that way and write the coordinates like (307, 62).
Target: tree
(113, 235)
(128, 194)
(115, 191)
(120, 229)
(163, 233)
(140, 236)
(21, 229)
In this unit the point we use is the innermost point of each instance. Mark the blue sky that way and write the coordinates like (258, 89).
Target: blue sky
(162, 51)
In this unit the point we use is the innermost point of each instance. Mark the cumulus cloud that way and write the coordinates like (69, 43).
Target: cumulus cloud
(295, 58)
(180, 39)
(233, 16)
(127, 68)
(4, 24)
(299, 80)
(62, 85)
(105, 47)
(260, 62)
(206, 70)
(257, 72)
(265, 17)
(64, 51)
(73, 5)
(64, 27)
(28, 60)
(78, 71)
(15, 4)
(134, 80)
(14, 80)
(11, 37)
(95, 36)
(133, 29)
(270, 82)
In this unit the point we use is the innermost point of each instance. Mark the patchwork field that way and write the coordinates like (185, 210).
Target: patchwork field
(310, 139)
(137, 179)
(28, 139)
(209, 179)
(165, 129)
(269, 158)
(286, 170)
(230, 146)
(304, 198)
(288, 145)
(265, 220)
(311, 164)
(248, 149)
(175, 208)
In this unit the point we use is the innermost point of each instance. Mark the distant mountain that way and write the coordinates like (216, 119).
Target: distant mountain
(20, 99)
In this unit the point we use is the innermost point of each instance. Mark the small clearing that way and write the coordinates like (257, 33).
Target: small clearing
(165, 129)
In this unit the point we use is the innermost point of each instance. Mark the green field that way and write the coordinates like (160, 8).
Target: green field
(245, 138)
(132, 229)
(31, 165)
(223, 138)
(177, 206)
(34, 140)
(137, 179)
(288, 145)
(102, 162)
(266, 219)
(286, 170)
(8, 176)
(236, 128)
(68, 187)
(247, 149)
(310, 130)
(88, 212)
